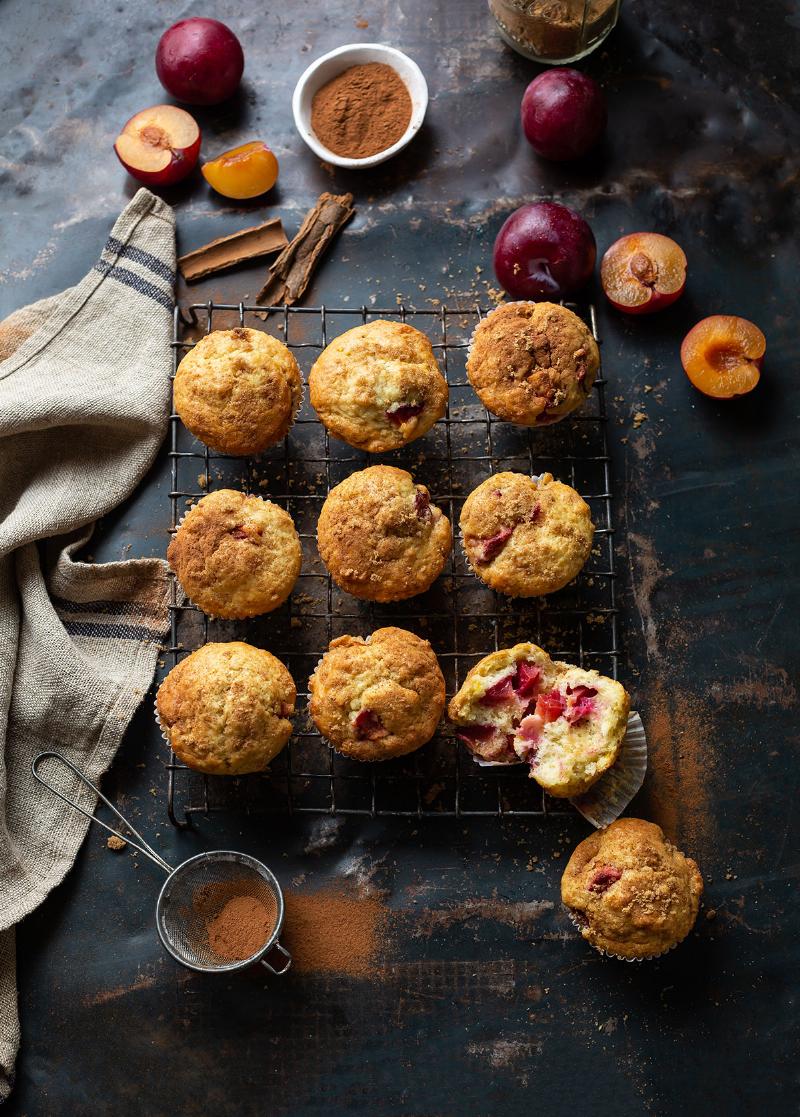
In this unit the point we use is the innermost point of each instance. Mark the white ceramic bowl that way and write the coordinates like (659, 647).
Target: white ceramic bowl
(334, 62)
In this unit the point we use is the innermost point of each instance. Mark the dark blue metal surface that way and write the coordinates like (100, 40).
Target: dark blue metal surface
(487, 1001)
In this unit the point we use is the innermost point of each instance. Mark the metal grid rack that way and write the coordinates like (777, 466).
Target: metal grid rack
(463, 619)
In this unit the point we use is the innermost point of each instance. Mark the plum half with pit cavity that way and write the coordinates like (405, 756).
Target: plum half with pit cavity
(643, 272)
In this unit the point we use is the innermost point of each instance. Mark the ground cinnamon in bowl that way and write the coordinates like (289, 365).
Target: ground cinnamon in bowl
(362, 111)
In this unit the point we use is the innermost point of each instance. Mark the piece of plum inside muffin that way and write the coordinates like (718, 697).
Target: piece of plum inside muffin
(565, 723)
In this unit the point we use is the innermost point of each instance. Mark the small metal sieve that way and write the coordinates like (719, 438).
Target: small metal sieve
(215, 877)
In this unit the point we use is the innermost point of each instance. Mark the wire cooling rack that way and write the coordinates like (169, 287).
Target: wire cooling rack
(463, 619)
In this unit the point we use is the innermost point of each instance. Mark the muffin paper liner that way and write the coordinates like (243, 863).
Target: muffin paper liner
(617, 957)
(610, 795)
(607, 799)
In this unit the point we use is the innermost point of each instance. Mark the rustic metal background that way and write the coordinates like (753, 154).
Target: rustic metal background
(462, 618)
(487, 1001)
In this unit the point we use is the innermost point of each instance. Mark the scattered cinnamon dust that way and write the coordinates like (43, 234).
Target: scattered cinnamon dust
(681, 768)
(334, 931)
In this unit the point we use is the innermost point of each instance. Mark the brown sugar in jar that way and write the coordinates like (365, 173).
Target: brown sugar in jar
(362, 111)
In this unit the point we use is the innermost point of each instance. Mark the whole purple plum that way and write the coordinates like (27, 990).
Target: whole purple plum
(544, 251)
(563, 114)
(199, 61)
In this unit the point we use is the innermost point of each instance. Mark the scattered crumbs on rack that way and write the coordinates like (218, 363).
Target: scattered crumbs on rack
(639, 417)
(116, 844)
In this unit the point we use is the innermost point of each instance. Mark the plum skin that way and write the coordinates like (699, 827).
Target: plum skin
(199, 61)
(563, 114)
(543, 251)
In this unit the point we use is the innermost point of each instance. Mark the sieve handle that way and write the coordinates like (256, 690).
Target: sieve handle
(284, 954)
(142, 845)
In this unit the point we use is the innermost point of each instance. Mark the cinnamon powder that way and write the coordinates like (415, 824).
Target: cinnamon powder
(334, 930)
(361, 111)
(237, 923)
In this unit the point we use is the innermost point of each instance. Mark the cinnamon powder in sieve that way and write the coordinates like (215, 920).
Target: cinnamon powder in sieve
(237, 923)
(361, 111)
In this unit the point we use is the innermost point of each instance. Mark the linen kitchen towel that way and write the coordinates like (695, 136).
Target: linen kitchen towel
(84, 404)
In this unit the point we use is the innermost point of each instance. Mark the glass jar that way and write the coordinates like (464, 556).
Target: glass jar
(554, 31)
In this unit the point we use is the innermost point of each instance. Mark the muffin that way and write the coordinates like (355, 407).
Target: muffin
(378, 386)
(526, 537)
(631, 892)
(225, 709)
(568, 724)
(377, 697)
(380, 537)
(238, 391)
(532, 363)
(236, 556)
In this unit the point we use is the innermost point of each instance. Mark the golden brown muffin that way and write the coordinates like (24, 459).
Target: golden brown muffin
(238, 390)
(378, 386)
(526, 537)
(568, 724)
(380, 536)
(225, 709)
(236, 556)
(631, 892)
(379, 697)
(532, 363)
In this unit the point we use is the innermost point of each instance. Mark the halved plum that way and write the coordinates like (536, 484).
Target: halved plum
(160, 145)
(643, 272)
(722, 355)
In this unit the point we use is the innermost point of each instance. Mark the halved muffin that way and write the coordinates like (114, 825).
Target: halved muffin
(567, 723)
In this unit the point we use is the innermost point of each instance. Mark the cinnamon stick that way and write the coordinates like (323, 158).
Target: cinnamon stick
(227, 252)
(291, 273)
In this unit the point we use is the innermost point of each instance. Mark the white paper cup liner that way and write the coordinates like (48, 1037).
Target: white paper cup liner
(607, 799)
(618, 957)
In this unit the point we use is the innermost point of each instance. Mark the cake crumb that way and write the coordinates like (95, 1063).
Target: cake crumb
(116, 843)
(639, 417)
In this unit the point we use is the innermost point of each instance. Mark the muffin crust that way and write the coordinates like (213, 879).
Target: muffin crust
(633, 894)
(377, 697)
(238, 390)
(225, 709)
(380, 537)
(532, 363)
(378, 386)
(235, 555)
(526, 537)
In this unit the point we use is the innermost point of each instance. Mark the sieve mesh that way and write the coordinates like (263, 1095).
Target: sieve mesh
(196, 892)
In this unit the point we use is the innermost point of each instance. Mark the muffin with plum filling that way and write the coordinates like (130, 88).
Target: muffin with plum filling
(630, 891)
(567, 723)
(532, 363)
(377, 697)
(378, 386)
(238, 390)
(526, 536)
(380, 536)
(235, 555)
